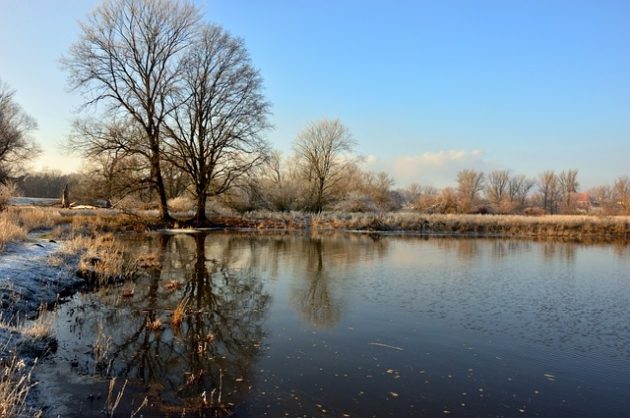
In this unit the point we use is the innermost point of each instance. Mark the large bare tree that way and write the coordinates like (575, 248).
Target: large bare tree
(497, 187)
(621, 193)
(214, 134)
(16, 144)
(127, 57)
(549, 187)
(320, 148)
(568, 187)
(518, 189)
(469, 184)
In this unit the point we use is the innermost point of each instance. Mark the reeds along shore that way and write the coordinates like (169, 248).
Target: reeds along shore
(17, 222)
(549, 226)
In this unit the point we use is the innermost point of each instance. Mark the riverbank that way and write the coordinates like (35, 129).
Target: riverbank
(574, 227)
(35, 276)
(17, 222)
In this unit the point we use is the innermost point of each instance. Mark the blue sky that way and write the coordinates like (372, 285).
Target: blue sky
(425, 87)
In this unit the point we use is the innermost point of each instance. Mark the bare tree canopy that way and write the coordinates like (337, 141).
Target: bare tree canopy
(549, 187)
(568, 186)
(320, 149)
(469, 184)
(127, 57)
(497, 186)
(16, 145)
(214, 134)
(621, 193)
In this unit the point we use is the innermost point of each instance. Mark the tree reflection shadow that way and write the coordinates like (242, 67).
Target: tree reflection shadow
(208, 359)
(315, 302)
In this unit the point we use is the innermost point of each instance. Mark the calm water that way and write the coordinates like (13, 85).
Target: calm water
(353, 325)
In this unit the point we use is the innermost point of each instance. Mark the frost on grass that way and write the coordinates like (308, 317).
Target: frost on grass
(28, 279)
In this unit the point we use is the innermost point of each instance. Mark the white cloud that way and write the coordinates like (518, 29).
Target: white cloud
(435, 168)
(370, 159)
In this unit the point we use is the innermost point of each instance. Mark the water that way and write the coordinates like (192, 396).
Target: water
(352, 325)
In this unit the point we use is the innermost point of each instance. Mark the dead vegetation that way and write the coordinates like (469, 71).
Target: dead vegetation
(179, 313)
(104, 259)
(15, 385)
(539, 227)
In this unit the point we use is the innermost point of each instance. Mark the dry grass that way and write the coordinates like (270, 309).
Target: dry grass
(16, 223)
(39, 328)
(10, 231)
(149, 261)
(548, 226)
(173, 285)
(106, 221)
(102, 345)
(155, 325)
(104, 259)
(179, 313)
(15, 379)
(181, 205)
(15, 385)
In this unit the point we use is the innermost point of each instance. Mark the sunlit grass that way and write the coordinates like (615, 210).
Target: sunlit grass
(15, 385)
(572, 226)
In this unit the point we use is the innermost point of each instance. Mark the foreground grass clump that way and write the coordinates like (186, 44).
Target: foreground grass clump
(16, 223)
(15, 385)
(102, 258)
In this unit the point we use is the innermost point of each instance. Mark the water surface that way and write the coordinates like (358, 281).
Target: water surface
(353, 325)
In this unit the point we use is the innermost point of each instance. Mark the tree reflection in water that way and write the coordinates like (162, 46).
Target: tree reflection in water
(211, 353)
(315, 302)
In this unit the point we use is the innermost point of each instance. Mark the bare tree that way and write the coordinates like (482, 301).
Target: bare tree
(568, 186)
(603, 198)
(16, 145)
(518, 189)
(469, 184)
(549, 187)
(117, 157)
(280, 183)
(497, 187)
(127, 57)
(320, 149)
(214, 134)
(621, 193)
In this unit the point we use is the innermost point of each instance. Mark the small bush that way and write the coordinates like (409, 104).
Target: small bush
(181, 205)
(7, 191)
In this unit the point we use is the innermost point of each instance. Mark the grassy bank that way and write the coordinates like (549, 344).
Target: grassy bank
(540, 227)
(17, 222)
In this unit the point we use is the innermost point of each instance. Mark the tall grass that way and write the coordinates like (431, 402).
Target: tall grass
(103, 259)
(15, 385)
(552, 226)
(16, 223)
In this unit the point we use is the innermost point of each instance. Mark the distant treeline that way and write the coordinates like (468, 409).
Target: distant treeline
(280, 185)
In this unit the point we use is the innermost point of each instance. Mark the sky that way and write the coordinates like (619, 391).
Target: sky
(426, 88)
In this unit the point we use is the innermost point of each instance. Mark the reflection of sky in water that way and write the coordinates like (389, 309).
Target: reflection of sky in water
(369, 326)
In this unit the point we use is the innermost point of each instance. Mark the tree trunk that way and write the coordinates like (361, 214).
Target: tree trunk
(200, 215)
(65, 197)
(161, 189)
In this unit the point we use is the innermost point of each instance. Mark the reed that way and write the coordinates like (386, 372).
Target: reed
(546, 226)
(15, 385)
(179, 313)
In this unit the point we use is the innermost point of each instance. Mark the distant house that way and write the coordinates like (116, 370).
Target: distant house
(583, 202)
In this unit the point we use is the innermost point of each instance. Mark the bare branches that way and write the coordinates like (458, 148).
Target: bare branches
(16, 145)
(469, 184)
(128, 57)
(214, 133)
(321, 148)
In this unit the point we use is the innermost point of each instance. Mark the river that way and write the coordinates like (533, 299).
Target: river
(350, 325)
